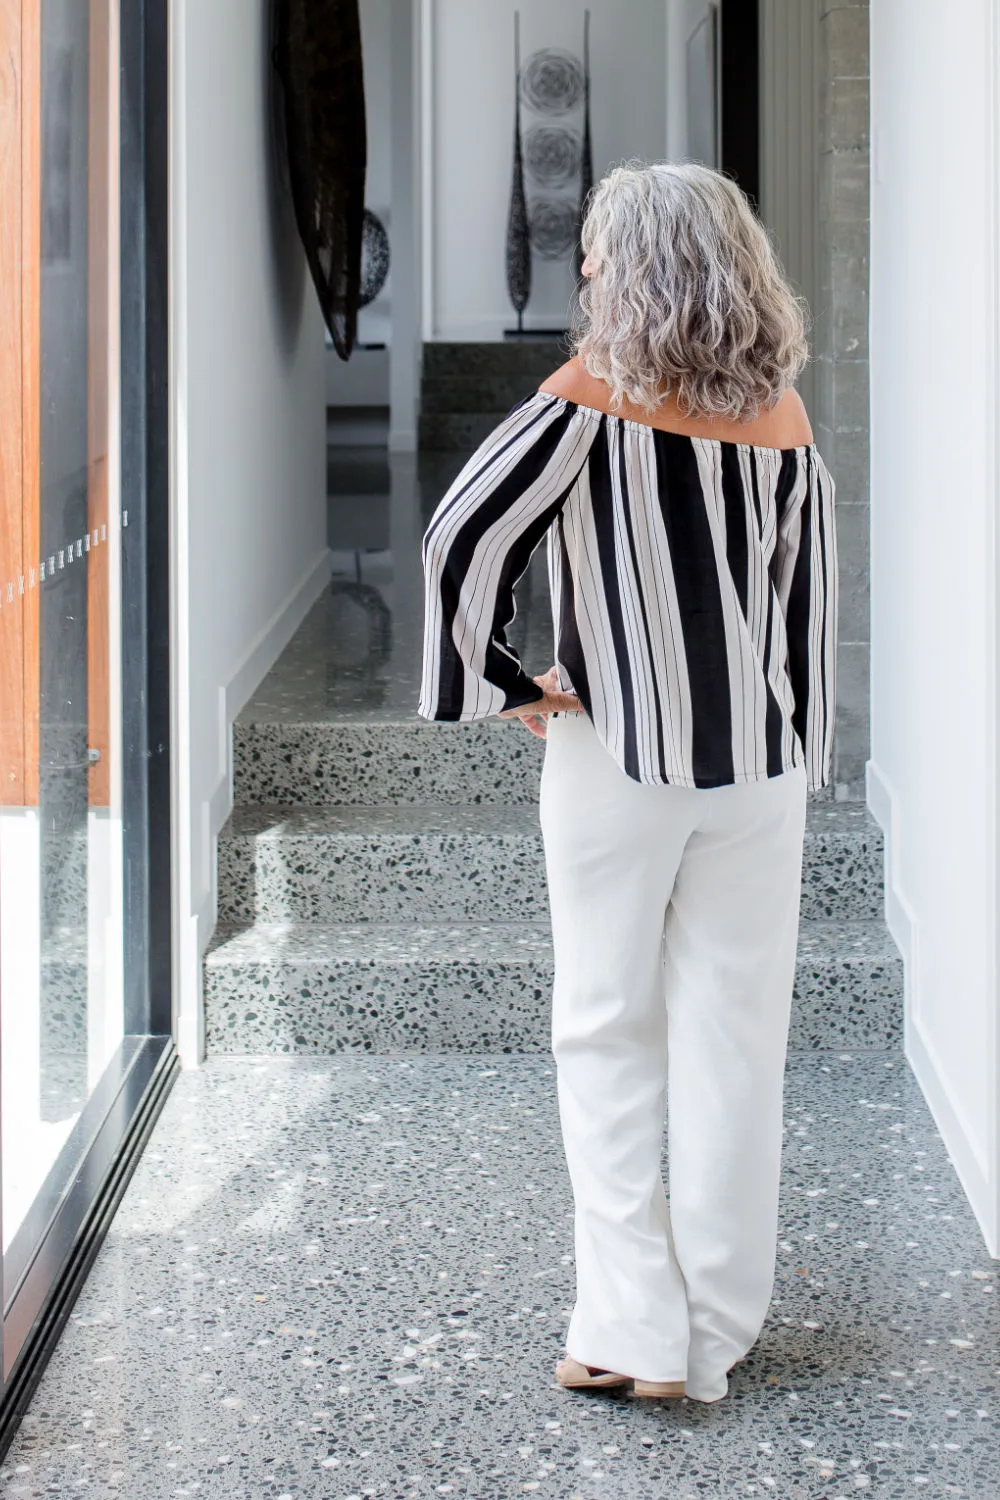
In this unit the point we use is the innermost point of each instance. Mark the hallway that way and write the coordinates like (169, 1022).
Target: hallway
(350, 1277)
(284, 1205)
(356, 1269)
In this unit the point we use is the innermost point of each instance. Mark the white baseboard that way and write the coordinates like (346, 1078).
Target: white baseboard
(189, 1023)
(899, 916)
(197, 925)
(966, 1158)
(918, 1047)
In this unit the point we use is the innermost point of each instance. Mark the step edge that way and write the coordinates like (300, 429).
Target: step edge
(225, 933)
(469, 818)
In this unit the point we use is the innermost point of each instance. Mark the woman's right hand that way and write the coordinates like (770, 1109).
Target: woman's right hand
(535, 715)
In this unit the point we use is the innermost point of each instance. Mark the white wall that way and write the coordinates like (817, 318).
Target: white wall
(683, 16)
(468, 83)
(935, 389)
(248, 542)
(790, 149)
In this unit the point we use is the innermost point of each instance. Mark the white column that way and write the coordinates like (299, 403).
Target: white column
(935, 365)
(789, 118)
(405, 354)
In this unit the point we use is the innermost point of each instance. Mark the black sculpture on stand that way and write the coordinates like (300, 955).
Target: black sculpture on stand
(375, 258)
(518, 242)
(586, 150)
(552, 82)
(317, 56)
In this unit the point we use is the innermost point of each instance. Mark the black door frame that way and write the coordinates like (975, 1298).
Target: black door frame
(739, 89)
(51, 1253)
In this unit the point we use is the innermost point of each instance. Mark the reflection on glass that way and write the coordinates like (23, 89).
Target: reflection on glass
(60, 746)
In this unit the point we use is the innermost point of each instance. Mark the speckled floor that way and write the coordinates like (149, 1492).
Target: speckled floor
(350, 1277)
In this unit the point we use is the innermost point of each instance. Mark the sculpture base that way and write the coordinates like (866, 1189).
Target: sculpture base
(534, 333)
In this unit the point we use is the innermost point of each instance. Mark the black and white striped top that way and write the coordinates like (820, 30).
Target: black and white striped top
(694, 591)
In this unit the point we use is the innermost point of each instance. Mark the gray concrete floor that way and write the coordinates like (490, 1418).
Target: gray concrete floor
(351, 1278)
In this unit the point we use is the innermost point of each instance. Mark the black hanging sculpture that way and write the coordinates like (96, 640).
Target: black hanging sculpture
(318, 59)
(518, 236)
(552, 83)
(586, 150)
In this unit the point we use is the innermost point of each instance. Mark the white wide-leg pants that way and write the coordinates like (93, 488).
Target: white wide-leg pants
(675, 920)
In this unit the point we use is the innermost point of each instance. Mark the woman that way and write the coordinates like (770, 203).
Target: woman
(692, 561)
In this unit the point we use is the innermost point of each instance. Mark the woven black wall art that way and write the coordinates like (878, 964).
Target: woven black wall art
(318, 59)
(518, 234)
(552, 82)
(586, 150)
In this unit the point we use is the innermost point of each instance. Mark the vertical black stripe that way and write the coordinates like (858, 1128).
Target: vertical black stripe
(772, 713)
(817, 500)
(699, 600)
(772, 708)
(735, 505)
(788, 475)
(627, 512)
(797, 621)
(570, 647)
(602, 507)
(451, 674)
(755, 494)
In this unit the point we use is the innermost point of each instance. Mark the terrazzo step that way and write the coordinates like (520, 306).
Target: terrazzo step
(469, 863)
(509, 357)
(374, 761)
(308, 987)
(454, 431)
(475, 393)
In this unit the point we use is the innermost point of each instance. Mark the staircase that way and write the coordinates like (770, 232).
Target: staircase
(381, 887)
(467, 388)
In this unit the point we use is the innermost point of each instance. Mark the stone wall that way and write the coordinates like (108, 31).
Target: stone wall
(840, 415)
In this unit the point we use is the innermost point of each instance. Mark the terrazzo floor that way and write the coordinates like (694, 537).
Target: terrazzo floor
(351, 1277)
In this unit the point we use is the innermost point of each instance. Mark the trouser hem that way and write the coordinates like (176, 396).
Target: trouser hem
(607, 1354)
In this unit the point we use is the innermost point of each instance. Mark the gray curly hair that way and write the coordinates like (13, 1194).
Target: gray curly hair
(687, 297)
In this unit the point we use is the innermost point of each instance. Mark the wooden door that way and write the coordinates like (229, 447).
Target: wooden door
(21, 567)
(20, 232)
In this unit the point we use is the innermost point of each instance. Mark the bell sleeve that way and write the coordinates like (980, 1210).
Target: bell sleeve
(478, 545)
(805, 575)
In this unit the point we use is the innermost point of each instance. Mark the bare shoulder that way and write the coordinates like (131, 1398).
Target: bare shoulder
(791, 421)
(572, 382)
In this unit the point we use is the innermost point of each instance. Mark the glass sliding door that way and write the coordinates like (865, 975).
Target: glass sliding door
(85, 1050)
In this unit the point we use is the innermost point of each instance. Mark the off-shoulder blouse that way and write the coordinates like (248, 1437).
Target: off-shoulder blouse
(693, 584)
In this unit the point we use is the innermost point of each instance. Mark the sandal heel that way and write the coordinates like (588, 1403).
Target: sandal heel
(659, 1387)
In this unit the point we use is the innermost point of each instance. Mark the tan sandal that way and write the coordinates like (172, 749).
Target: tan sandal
(576, 1377)
(660, 1388)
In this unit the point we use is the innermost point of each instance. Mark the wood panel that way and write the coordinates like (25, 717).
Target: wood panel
(31, 377)
(20, 232)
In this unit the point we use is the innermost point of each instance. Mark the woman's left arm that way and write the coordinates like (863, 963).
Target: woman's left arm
(805, 569)
(477, 546)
